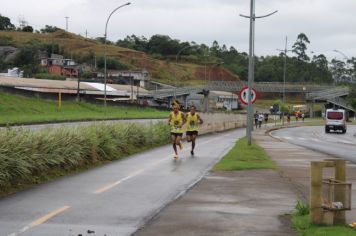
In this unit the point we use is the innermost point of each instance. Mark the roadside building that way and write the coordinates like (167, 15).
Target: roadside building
(58, 65)
(140, 77)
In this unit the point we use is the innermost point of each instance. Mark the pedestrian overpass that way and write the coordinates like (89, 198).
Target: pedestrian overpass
(332, 97)
(181, 93)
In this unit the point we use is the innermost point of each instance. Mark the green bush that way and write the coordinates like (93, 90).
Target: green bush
(49, 76)
(27, 156)
(302, 208)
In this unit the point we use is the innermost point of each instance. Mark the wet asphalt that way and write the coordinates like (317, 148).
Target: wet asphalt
(314, 137)
(115, 199)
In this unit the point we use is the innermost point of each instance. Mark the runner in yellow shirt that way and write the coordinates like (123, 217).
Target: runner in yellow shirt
(176, 120)
(193, 122)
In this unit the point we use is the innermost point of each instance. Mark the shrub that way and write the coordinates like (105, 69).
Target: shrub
(49, 76)
(302, 208)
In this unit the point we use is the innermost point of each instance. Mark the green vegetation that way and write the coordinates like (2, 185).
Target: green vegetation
(15, 109)
(301, 223)
(49, 76)
(244, 157)
(28, 157)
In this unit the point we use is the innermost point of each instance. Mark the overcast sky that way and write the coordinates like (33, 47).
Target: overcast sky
(329, 24)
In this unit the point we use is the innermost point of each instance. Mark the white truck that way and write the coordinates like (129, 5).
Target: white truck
(335, 119)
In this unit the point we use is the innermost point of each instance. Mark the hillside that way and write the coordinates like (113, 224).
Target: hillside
(160, 70)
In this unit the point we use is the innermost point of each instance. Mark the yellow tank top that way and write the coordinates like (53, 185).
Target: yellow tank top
(176, 122)
(192, 122)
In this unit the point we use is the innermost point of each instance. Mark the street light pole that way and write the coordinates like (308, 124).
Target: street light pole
(347, 60)
(252, 18)
(175, 71)
(343, 54)
(212, 67)
(284, 74)
(105, 47)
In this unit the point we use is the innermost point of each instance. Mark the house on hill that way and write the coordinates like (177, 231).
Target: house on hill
(58, 65)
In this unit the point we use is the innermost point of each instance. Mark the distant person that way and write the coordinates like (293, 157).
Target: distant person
(266, 117)
(303, 117)
(176, 120)
(256, 119)
(193, 122)
(296, 116)
(260, 120)
(288, 118)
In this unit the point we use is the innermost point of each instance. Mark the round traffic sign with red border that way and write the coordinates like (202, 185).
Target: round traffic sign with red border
(244, 95)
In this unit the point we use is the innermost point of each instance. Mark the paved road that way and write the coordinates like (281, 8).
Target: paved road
(115, 199)
(314, 137)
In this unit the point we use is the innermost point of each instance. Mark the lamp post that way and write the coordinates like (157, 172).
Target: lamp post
(343, 54)
(207, 96)
(284, 74)
(212, 67)
(251, 66)
(175, 71)
(105, 47)
(347, 61)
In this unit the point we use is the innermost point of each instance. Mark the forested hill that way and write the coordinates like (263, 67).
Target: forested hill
(196, 62)
(301, 67)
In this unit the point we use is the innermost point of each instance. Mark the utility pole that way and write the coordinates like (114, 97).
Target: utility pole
(67, 17)
(251, 70)
(284, 74)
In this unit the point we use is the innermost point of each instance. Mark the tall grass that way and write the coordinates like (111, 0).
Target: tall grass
(26, 156)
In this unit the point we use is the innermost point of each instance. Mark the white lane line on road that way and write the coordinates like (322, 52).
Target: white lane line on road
(41, 220)
(315, 140)
(112, 185)
(138, 172)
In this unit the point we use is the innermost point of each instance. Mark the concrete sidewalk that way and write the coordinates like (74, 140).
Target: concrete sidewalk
(253, 203)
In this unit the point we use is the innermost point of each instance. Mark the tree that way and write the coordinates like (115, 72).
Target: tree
(320, 61)
(300, 46)
(27, 29)
(49, 29)
(5, 23)
(338, 70)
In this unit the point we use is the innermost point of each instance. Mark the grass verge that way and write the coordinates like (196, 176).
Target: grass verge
(28, 158)
(244, 157)
(15, 109)
(304, 228)
(300, 220)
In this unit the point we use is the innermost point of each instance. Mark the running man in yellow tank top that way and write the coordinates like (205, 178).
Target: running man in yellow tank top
(176, 120)
(193, 122)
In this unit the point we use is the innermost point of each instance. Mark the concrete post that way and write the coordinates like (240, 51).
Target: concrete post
(340, 175)
(311, 110)
(316, 174)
